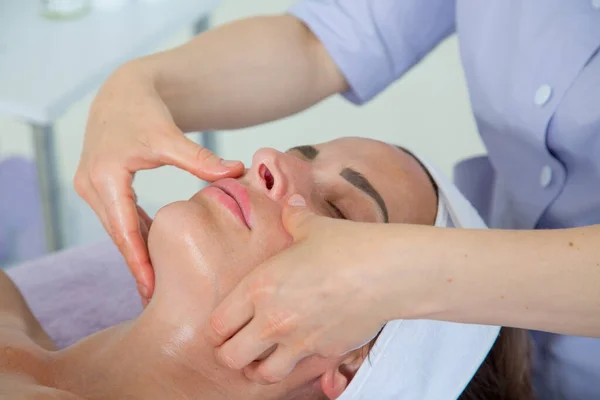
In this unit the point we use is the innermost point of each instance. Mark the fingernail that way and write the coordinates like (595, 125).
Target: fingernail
(229, 163)
(143, 291)
(296, 201)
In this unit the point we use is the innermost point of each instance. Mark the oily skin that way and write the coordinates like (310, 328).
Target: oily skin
(200, 251)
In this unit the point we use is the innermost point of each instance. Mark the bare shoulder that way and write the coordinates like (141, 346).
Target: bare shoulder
(19, 353)
(16, 315)
(24, 364)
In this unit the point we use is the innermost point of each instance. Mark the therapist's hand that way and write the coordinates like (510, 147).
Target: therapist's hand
(130, 129)
(318, 297)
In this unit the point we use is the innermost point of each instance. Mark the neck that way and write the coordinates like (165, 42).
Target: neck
(141, 359)
(162, 354)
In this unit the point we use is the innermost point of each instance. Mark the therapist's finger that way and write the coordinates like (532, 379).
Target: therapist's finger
(183, 153)
(99, 209)
(246, 346)
(118, 197)
(145, 223)
(297, 219)
(144, 216)
(274, 368)
(230, 316)
(131, 242)
(87, 192)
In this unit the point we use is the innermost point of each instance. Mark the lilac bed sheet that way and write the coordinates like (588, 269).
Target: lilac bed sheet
(77, 292)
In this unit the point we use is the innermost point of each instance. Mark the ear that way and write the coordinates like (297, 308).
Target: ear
(337, 377)
(333, 383)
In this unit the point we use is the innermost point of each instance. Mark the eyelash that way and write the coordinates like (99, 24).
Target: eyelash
(338, 213)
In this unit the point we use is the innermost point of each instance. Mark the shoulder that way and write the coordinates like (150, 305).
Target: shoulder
(19, 353)
(22, 362)
(16, 316)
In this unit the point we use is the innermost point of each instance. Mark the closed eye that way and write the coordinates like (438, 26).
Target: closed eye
(336, 211)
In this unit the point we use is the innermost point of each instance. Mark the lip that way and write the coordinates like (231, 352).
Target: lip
(231, 194)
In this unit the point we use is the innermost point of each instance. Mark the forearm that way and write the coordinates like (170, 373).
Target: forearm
(244, 73)
(544, 280)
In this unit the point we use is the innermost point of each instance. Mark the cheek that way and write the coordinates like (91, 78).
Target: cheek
(269, 236)
(181, 251)
(270, 239)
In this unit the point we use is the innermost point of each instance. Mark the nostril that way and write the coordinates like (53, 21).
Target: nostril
(267, 176)
(269, 180)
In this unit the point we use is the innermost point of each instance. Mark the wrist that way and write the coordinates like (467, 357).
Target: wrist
(414, 279)
(128, 80)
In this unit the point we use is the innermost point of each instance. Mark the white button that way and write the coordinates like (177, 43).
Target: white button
(596, 4)
(542, 95)
(545, 176)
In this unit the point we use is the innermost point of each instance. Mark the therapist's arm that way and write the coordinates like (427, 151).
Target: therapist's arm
(245, 73)
(241, 74)
(544, 280)
(372, 273)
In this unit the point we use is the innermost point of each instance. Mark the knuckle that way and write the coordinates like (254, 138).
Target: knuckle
(262, 288)
(308, 346)
(277, 325)
(117, 236)
(228, 360)
(157, 145)
(203, 154)
(267, 377)
(121, 237)
(97, 175)
(329, 354)
(159, 138)
(332, 352)
(80, 183)
(262, 374)
(217, 325)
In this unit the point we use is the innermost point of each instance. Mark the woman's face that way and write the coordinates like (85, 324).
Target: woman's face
(203, 247)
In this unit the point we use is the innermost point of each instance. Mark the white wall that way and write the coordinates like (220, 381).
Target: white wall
(427, 110)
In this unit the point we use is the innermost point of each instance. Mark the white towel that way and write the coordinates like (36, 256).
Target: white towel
(427, 360)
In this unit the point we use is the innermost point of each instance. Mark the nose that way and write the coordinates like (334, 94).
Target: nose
(280, 175)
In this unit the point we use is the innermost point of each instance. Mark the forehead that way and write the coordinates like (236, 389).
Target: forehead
(368, 152)
(396, 175)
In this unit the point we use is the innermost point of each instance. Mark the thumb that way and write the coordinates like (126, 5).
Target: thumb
(190, 156)
(297, 218)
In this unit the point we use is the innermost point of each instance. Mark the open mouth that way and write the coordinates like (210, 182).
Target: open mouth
(231, 194)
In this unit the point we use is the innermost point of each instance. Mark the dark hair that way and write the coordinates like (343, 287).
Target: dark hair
(505, 374)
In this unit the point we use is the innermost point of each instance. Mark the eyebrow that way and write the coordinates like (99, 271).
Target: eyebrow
(359, 181)
(309, 152)
(353, 177)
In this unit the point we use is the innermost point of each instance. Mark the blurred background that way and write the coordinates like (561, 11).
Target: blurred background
(430, 100)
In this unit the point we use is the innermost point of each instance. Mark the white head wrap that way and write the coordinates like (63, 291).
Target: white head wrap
(427, 360)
